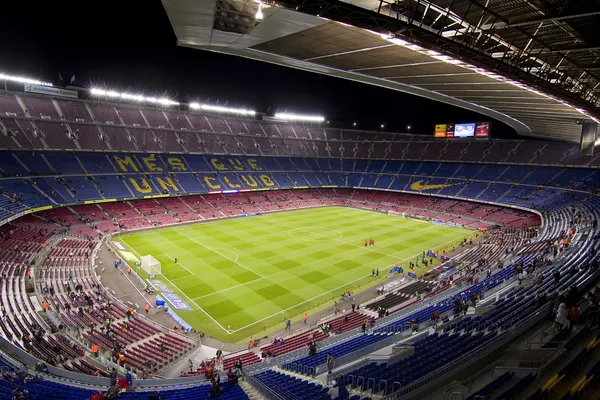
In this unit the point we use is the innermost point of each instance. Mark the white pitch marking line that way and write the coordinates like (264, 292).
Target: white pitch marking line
(200, 308)
(180, 264)
(231, 251)
(327, 237)
(229, 288)
(181, 291)
(312, 240)
(322, 294)
(182, 277)
(216, 252)
(297, 304)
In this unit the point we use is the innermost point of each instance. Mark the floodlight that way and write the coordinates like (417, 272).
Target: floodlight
(195, 106)
(259, 14)
(298, 117)
(21, 79)
(228, 110)
(131, 96)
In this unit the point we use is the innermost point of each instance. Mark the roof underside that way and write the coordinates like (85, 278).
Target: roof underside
(385, 56)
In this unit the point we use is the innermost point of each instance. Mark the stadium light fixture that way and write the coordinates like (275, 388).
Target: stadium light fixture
(22, 79)
(354, 124)
(221, 109)
(382, 126)
(299, 118)
(408, 127)
(134, 97)
(259, 14)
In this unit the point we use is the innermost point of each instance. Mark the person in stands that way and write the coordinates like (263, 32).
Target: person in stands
(232, 378)
(334, 391)
(238, 367)
(330, 363)
(561, 317)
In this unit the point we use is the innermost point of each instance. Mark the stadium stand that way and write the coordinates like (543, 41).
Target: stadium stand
(199, 167)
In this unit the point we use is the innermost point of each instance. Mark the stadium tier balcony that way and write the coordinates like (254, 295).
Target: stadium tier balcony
(89, 136)
(74, 111)
(118, 138)
(10, 106)
(156, 118)
(131, 116)
(199, 122)
(178, 121)
(42, 108)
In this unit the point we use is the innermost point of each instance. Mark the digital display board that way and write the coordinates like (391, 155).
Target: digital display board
(440, 131)
(463, 130)
(483, 129)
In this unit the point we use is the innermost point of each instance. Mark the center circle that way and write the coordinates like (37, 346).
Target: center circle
(310, 236)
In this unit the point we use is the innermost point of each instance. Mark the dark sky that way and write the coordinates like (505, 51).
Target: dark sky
(130, 44)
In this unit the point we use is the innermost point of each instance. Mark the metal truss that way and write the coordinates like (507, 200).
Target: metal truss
(536, 42)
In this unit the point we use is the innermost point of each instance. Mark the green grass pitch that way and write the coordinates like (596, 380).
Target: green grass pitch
(243, 276)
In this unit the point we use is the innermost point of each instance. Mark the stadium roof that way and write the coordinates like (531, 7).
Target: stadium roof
(533, 64)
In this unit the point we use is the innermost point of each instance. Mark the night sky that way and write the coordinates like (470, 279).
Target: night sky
(130, 45)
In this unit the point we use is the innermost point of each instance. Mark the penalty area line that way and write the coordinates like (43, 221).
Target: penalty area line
(184, 295)
(227, 258)
(296, 305)
(199, 308)
(229, 288)
(178, 263)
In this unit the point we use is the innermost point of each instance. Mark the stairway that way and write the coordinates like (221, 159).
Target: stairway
(252, 393)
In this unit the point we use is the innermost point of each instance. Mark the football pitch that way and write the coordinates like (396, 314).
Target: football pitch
(242, 277)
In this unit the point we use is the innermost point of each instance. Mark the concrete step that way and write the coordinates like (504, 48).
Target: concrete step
(252, 393)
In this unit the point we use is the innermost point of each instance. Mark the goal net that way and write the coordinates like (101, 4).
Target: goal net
(397, 214)
(151, 265)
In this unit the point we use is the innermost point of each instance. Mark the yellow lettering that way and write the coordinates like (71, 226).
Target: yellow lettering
(266, 180)
(254, 164)
(208, 180)
(151, 163)
(231, 184)
(237, 164)
(123, 162)
(250, 181)
(165, 184)
(218, 164)
(145, 188)
(176, 164)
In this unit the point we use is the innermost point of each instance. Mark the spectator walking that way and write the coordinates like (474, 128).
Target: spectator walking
(129, 378)
(561, 317)
(330, 363)
(573, 316)
(238, 367)
(288, 324)
(219, 360)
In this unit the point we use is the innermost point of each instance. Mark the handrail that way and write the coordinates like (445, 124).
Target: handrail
(468, 358)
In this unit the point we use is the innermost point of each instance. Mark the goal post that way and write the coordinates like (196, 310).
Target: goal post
(151, 265)
(397, 214)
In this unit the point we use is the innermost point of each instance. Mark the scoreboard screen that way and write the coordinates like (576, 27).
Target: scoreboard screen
(462, 130)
